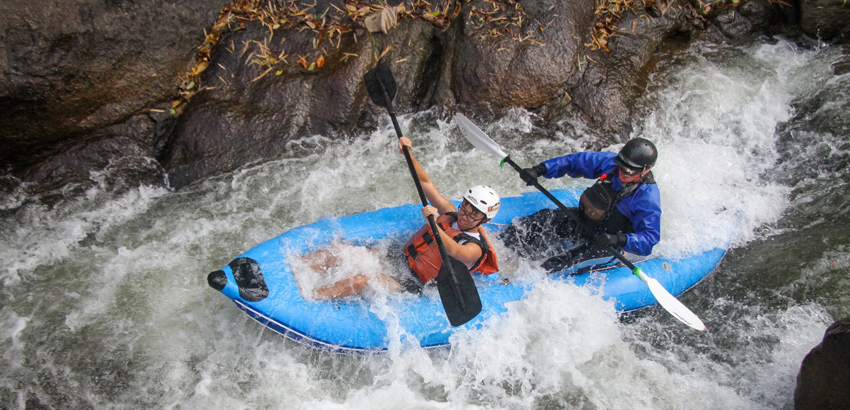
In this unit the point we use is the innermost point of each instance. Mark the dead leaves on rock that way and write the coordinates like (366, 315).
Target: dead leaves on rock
(493, 18)
(506, 18)
(319, 63)
(608, 15)
(328, 27)
(383, 20)
(263, 56)
(190, 82)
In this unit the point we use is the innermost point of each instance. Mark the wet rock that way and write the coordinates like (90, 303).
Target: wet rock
(472, 65)
(492, 70)
(72, 71)
(826, 20)
(87, 84)
(751, 18)
(248, 116)
(824, 379)
(609, 84)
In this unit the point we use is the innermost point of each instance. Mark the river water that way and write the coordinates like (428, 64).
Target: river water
(105, 303)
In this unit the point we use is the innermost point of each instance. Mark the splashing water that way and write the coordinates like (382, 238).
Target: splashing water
(105, 302)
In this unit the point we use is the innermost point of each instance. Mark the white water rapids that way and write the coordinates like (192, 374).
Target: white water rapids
(105, 302)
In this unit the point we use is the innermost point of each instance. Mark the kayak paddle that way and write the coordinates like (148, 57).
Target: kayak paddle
(454, 282)
(481, 141)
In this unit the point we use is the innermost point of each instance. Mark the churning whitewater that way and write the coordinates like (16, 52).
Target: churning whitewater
(105, 300)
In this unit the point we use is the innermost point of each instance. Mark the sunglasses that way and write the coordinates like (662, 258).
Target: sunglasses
(630, 171)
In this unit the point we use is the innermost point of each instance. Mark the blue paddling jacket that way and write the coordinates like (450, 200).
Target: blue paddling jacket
(642, 207)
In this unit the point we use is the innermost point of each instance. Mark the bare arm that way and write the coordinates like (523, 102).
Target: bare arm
(433, 195)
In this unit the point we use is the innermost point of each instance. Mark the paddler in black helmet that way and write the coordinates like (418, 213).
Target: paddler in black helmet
(623, 208)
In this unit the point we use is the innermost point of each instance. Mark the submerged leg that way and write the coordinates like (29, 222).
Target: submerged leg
(533, 235)
(356, 285)
(343, 288)
(578, 260)
(385, 282)
(543, 235)
(321, 261)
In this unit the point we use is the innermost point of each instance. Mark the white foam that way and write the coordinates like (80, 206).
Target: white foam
(716, 135)
(138, 262)
(41, 236)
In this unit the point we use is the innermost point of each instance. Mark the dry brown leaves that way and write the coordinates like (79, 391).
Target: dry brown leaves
(505, 18)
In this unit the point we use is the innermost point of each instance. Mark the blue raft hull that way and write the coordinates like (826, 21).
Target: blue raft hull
(350, 326)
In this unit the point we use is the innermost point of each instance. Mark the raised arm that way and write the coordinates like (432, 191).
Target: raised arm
(435, 198)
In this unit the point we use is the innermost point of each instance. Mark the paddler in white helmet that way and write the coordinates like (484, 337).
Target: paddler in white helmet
(460, 230)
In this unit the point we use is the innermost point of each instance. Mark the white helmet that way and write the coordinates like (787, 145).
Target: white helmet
(484, 199)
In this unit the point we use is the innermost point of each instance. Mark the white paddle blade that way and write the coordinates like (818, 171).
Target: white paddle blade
(670, 303)
(478, 137)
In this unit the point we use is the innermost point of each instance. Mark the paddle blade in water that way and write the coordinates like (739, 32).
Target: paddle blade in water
(478, 137)
(458, 292)
(670, 303)
(381, 85)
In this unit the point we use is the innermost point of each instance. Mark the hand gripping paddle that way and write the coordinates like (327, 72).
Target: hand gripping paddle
(454, 282)
(481, 141)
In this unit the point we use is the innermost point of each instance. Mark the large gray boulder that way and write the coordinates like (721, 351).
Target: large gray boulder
(78, 80)
(478, 64)
(246, 118)
(198, 88)
(824, 379)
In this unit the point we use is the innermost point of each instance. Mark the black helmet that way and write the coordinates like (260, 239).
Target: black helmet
(638, 153)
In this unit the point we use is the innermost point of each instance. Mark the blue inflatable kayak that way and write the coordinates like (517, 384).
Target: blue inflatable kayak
(261, 283)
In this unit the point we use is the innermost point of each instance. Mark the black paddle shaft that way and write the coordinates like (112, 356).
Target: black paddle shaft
(564, 208)
(382, 77)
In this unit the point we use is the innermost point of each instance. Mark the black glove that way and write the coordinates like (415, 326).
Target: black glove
(530, 175)
(604, 240)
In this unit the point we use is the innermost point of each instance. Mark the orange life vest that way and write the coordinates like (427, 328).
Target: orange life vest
(423, 255)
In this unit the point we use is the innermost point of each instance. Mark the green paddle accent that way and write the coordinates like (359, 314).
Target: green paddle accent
(454, 282)
(664, 298)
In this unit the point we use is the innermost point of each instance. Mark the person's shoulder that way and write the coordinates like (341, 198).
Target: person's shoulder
(596, 154)
(604, 159)
(648, 187)
(648, 192)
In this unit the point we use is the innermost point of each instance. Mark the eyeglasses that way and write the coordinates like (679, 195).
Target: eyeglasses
(466, 209)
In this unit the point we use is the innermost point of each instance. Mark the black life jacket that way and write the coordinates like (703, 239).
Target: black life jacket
(599, 204)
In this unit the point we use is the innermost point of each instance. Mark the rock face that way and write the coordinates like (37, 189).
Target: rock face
(824, 379)
(246, 118)
(79, 79)
(826, 20)
(196, 88)
(475, 65)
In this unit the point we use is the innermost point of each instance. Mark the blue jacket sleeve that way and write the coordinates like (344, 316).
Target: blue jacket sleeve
(644, 210)
(583, 164)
